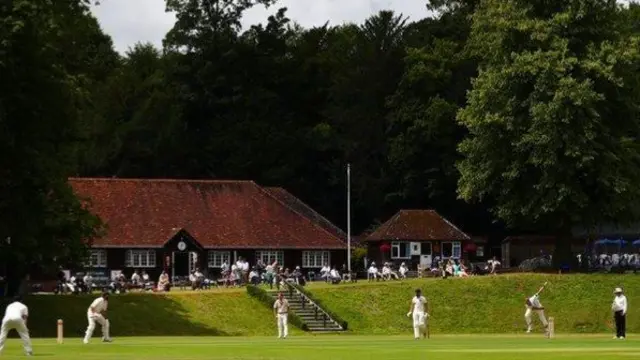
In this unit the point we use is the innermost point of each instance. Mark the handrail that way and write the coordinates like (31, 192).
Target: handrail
(317, 307)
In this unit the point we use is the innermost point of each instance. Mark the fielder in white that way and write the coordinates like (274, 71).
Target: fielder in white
(420, 310)
(15, 318)
(95, 314)
(281, 311)
(532, 305)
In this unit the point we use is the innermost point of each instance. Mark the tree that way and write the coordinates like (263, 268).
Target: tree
(553, 116)
(43, 224)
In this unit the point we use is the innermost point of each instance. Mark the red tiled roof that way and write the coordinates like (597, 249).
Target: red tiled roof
(417, 225)
(305, 210)
(218, 214)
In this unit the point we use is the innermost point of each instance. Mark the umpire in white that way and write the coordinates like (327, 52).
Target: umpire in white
(619, 308)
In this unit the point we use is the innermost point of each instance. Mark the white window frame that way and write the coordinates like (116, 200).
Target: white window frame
(316, 259)
(143, 259)
(215, 259)
(101, 258)
(267, 255)
(456, 249)
(398, 245)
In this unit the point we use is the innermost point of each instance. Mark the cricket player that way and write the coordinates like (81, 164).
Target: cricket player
(281, 311)
(533, 304)
(15, 317)
(420, 311)
(95, 314)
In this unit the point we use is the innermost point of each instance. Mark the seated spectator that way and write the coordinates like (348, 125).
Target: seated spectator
(88, 282)
(254, 277)
(334, 276)
(136, 281)
(372, 273)
(447, 270)
(195, 281)
(461, 270)
(146, 282)
(403, 271)
(387, 273)
(494, 265)
(71, 284)
(163, 282)
(325, 273)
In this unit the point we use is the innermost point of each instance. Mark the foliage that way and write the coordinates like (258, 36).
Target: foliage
(580, 303)
(224, 313)
(553, 115)
(42, 99)
(335, 316)
(261, 295)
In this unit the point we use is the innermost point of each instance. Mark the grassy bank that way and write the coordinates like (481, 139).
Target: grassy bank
(495, 304)
(222, 313)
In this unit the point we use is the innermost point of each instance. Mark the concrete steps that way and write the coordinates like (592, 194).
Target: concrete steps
(310, 314)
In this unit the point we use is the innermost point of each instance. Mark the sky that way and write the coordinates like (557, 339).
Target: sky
(132, 21)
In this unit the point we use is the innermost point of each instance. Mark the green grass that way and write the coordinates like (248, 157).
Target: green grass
(490, 304)
(477, 347)
(214, 313)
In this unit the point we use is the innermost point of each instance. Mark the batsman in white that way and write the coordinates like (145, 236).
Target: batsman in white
(95, 314)
(533, 305)
(15, 317)
(420, 311)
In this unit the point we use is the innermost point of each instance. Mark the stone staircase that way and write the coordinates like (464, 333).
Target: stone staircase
(316, 319)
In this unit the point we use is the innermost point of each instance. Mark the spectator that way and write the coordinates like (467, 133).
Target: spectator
(448, 269)
(88, 282)
(334, 275)
(325, 273)
(254, 276)
(245, 270)
(163, 282)
(372, 273)
(403, 271)
(148, 285)
(298, 277)
(494, 265)
(387, 273)
(461, 270)
(135, 279)
(269, 275)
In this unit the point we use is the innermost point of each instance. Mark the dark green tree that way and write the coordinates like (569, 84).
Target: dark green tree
(553, 116)
(42, 94)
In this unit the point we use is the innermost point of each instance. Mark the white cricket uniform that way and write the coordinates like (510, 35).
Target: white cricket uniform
(282, 310)
(534, 301)
(419, 315)
(14, 319)
(99, 306)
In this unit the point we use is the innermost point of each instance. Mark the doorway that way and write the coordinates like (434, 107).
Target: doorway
(180, 264)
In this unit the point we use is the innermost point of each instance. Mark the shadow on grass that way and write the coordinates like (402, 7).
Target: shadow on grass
(129, 315)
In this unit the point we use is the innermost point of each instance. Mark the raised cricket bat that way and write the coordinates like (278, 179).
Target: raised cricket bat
(542, 288)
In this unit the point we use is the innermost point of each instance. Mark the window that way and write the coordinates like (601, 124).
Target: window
(315, 259)
(97, 259)
(400, 250)
(215, 259)
(480, 251)
(269, 257)
(140, 258)
(451, 249)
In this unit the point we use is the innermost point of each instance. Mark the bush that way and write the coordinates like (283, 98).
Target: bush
(328, 310)
(262, 296)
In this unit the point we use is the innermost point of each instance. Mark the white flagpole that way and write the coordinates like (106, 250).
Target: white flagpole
(349, 218)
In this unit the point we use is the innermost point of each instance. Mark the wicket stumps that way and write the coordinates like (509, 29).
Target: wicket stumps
(60, 331)
(552, 327)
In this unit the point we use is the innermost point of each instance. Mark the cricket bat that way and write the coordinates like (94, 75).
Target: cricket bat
(542, 288)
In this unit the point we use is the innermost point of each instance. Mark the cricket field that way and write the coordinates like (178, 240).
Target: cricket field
(439, 347)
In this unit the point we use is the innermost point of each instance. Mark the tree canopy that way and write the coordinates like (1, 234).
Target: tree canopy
(494, 112)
